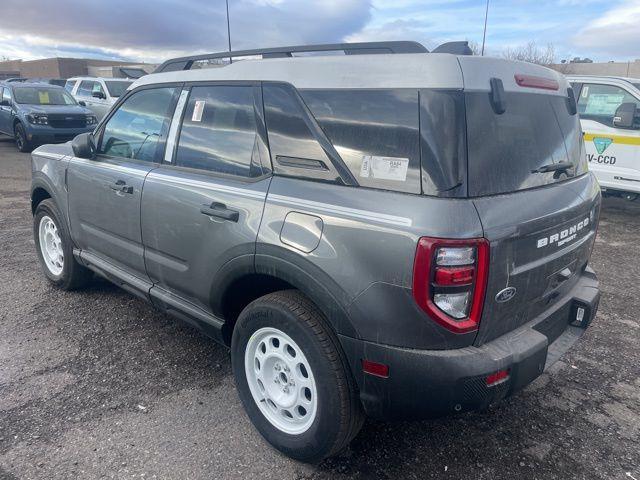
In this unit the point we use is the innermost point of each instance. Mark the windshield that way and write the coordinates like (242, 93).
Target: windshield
(43, 96)
(117, 89)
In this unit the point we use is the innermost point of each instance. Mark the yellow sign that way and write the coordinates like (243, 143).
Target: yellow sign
(44, 97)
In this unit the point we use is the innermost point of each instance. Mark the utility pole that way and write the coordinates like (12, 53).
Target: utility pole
(484, 33)
(229, 31)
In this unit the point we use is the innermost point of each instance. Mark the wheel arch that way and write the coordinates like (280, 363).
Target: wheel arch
(39, 192)
(246, 278)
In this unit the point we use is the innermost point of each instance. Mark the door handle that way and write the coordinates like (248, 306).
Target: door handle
(220, 210)
(121, 186)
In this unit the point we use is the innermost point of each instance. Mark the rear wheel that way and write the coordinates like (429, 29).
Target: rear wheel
(292, 377)
(20, 136)
(55, 250)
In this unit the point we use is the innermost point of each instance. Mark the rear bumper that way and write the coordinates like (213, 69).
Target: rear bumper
(428, 383)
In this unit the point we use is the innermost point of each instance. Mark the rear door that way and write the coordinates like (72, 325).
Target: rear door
(613, 153)
(540, 224)
(203, 206)
(105, 193)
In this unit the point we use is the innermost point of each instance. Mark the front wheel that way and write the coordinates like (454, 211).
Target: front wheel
(20, 136)
(292, 377)
(55, 250)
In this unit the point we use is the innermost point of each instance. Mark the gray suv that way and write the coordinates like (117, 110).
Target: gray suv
(388, 232)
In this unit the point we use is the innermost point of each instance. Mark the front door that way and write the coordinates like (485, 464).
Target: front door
(613, 153)
(105, 193)
(6, 115)
(203, 206)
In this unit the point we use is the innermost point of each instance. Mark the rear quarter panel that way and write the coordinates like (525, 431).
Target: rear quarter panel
(366, 251)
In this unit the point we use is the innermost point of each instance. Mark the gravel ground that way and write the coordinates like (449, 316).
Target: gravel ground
(96, 384)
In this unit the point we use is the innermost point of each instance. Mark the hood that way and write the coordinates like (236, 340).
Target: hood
(62, 109)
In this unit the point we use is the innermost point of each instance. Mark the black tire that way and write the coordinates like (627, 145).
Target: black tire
(339, 415)
(20, 137)
(73, 275)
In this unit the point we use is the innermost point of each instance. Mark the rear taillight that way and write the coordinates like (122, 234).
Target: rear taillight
(450, 280)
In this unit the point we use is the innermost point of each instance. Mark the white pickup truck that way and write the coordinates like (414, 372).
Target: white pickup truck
(609, 110)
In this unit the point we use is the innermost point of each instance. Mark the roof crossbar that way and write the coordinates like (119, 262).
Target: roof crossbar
(361, 48)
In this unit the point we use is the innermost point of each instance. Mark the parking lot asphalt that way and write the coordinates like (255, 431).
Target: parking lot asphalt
(97, 384)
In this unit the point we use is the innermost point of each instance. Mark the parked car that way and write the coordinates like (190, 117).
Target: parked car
(609, 110)
(400, 235)
(98, 94)
(36, 113)
(15, 80)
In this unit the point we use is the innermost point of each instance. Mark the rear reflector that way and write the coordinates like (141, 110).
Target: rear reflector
(498, 377)
(536, 82)
(375, 368)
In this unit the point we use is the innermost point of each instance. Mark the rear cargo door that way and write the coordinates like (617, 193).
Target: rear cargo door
(537, 203)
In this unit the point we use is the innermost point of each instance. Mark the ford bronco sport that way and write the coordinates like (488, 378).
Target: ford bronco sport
(388, 232)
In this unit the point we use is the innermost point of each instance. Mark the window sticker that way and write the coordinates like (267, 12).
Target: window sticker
(603, 104)
(384, 168)
(43, 96)
(585, 91)
(198, 109)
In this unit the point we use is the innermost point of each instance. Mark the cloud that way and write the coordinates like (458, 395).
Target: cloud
(152, 30)
(616, 32)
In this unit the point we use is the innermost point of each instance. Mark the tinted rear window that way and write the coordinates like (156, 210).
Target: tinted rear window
(535, 130)
(376, 132)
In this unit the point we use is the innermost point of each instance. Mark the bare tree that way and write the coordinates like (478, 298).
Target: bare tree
(532, 53)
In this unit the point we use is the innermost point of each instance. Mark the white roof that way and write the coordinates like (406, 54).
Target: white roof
(411, 70)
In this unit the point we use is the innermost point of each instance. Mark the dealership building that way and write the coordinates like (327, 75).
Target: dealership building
(72, 67)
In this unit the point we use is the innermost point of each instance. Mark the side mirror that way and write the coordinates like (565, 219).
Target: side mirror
(82, 104)
(625, 116)
(84, 146)
(98, 95)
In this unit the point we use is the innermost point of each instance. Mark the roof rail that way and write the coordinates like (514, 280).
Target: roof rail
(185, 63)
(456, 48)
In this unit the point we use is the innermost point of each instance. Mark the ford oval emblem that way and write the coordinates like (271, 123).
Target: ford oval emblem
(506, 294)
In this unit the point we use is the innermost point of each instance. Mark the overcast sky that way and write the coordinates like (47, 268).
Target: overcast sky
(153, 30)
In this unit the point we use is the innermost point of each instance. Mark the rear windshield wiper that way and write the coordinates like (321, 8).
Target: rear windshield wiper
(554, 167)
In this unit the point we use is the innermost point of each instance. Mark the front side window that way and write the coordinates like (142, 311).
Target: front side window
(599, 102)
(43, 96)
(219, 131)
(97, 88)
(85, 88)
(68, 86)
(117, 88)
(136, 128)
(6, 94)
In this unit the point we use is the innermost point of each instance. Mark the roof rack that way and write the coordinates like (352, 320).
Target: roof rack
(361, 48)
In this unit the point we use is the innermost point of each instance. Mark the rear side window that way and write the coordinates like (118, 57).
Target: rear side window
(375, 132)
(600, 102)
(219, 131)
(534, 131)
(135, 129)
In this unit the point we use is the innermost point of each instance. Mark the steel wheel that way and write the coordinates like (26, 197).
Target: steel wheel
(281, 380)
(51, 245)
